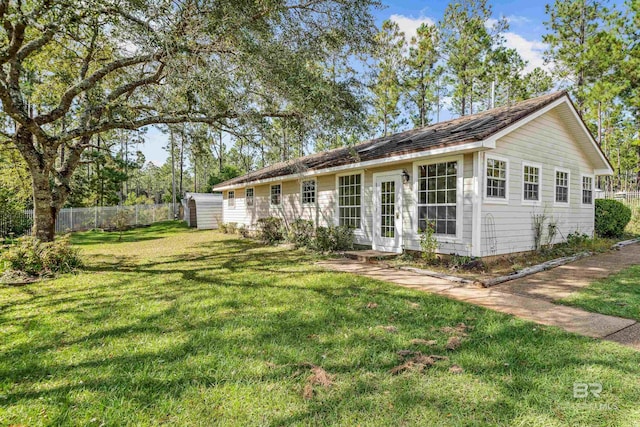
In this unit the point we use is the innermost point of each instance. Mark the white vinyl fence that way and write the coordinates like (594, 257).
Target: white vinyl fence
(630, 198)
(82, 219)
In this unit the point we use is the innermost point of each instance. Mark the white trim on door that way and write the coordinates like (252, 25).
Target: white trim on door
(378, 242)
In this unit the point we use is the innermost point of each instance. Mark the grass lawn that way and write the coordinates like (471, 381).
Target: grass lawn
(617, 295)
(182, 327)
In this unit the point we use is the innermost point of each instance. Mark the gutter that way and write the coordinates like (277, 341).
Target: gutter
(457, 149)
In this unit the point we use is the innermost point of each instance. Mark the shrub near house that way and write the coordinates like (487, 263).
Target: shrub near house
(611, 217)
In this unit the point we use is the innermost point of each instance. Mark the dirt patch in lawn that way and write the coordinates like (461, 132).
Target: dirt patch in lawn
(318, 377)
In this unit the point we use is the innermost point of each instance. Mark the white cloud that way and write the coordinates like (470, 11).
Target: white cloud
(489, 23)
(511, 19)
(530, 50)
(409, 26)
(518, 20)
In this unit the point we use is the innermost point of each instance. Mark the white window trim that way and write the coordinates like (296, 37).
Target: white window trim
(362, 201)
(593, 191)
(254, 198)
(532, 202)
(315, 195)
(495, 200)
(555, 183)
(281, 195)
(442, 238)
(229, 205)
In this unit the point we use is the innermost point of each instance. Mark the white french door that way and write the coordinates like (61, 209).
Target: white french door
(387, 221)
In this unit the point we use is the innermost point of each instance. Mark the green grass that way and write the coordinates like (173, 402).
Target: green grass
(182, 327)
(617, 295)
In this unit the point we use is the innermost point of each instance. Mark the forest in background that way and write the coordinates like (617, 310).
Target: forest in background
(397, 82)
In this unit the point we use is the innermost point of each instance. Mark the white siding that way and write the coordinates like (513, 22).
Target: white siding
(547, 141)
(324, 212)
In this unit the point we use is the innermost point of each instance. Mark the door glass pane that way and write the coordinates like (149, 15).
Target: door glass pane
(387, 209)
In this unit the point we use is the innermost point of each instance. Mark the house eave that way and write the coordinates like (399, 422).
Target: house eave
(386, 161)
(603, 172)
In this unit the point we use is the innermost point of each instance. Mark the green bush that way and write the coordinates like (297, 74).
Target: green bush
(270, 230)
(31, 257)
(301, 233)
(428, 242)
(611, 217)
(323, 240)
(244, 231)
(329, 239)
(577, 239)
(343, 237)
(228, 227)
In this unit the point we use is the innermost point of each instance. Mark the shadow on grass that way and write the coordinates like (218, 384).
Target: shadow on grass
(157, 230)
(231, 322)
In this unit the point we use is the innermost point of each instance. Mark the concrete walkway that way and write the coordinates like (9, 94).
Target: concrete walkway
(536, 308)
(562, 281)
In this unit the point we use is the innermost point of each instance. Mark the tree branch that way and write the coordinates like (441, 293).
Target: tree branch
(36, 44)
(131, 86)
(169, 118)
(89, 82)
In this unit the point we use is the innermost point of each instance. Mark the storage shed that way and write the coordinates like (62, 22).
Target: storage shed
(203, 210)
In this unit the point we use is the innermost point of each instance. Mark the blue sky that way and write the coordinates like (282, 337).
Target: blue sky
(526, 21)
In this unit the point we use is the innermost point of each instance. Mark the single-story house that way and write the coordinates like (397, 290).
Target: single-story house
(479, 179)
(202, 210)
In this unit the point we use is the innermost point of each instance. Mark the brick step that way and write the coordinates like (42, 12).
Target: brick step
(369, 255)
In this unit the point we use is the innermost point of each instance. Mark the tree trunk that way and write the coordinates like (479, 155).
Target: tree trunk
(181, 160)
(40, 165)
(173, 174)
(44, 210)
(221, 152)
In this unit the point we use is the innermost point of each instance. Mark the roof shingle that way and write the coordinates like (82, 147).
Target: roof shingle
(476, 127)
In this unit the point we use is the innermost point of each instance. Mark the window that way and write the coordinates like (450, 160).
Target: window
(349, 200)
(308, 192)
(231, 196)
(276, 195)
(437, 197)
(248, 195)
(587, 190)
(562, 187)
(531, 179)
(496, 179)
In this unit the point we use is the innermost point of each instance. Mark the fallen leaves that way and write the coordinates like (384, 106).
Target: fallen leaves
(453, 343)
(420, 341)
(455, 369)
(390, 329)
(372, 305)
(418, 362)
(318, 377)
(459, 329)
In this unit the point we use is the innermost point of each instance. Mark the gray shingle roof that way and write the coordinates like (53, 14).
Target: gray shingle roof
(476, 127)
